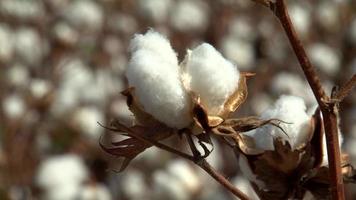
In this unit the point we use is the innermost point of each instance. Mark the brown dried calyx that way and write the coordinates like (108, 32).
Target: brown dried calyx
(287, 173)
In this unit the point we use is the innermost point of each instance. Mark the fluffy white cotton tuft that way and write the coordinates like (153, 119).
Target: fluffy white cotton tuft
(211, 76)
(154, 73)
(61, 176)
(189, 16)
(157, 44)
(156, 10)
(325, 58)
(61, 170)
(290, 109)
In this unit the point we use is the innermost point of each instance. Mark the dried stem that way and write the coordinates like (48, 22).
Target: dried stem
(197, 159)
(202, 163)
(221, 179)
(328, 108)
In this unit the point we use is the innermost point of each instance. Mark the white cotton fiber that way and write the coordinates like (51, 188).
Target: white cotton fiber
(157, 44)
(61, 177)
(211, 76)
(154, 73)
(290, 109)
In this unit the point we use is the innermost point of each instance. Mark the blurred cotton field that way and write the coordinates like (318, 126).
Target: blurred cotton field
(62, 68)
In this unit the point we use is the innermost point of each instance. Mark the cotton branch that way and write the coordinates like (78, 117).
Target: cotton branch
(329, 109)
(196, 158)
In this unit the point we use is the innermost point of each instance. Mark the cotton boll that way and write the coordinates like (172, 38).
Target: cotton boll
(325, 58)
(40, 88)
(165, 186)
(121, 111)
(123, 23)
(65, 33)
(18, 75)
(75, 76)
(154, 73)
(239, 51)
(327, 14)
(13, 107)
(24, 10)
(291, 84)
(212, 77)
(300, 16)
(261, 102)
(61, 173)
(350, 149)
(85, 14)
(157, 44)
(69, 192)
(29, 46)
(185, 173)
(6, 43)
(133, 185)
(94, 192)
(241, 28)
(290, 109)
(325, 161)
(189, 16)
(86, 119)
(112, 45)
(155, 10)
(103, 85)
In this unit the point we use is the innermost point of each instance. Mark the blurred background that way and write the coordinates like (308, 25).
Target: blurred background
(62, 66)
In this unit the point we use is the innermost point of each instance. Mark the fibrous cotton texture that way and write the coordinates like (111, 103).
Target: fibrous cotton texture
(211, 76)
(154, 73)
(164, 88)
(292, 111)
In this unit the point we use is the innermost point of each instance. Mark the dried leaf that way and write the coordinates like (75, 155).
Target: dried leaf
(141, 116)
(277, 170)
(130, 147)
(234, 127)
(282, 158)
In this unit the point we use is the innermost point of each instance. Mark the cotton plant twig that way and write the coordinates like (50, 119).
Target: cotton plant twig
(329, 109)
(197, 159)
(202, 163)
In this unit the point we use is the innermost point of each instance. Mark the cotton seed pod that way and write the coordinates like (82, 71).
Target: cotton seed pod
(295, 130)
(292, 163)
(212, 77)
(154, 74)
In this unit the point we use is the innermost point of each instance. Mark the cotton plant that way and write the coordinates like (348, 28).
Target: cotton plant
(171, 97)
(195, 98)
(281, 161)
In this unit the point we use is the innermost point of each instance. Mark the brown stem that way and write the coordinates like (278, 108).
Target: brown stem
(160, 145)
(192, 146)
(202, 163)
(328, 109)
(221, 179)
(197, 159)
